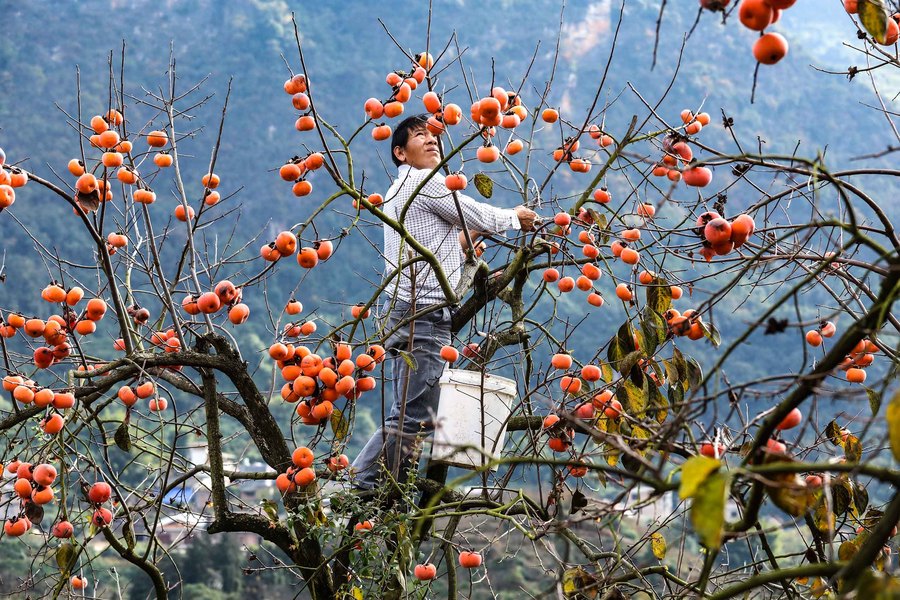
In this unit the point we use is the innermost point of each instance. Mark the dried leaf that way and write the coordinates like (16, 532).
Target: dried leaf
(339, 425)
(852, 448)
(34, 512)
(579, 583)
(848, 549)
(579, 501)
(128, 534)
(787, 490)
(877, 585)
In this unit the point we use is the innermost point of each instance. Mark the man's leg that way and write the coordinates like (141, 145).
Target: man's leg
(420, 388)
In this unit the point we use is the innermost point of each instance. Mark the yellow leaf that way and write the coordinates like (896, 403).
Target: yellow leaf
(694, 471)
(874, 16)
(658, 545)
(708, 510)
(357, 593)
(892, 414)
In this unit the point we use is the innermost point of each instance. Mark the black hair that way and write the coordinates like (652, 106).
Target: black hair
(401, 133)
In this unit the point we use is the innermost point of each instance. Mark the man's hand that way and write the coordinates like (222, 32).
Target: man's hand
(527, 217)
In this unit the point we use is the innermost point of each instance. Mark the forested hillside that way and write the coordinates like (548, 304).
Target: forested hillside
(245, 41)
(60, 64)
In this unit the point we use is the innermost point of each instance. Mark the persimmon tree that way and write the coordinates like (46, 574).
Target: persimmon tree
(615, 318)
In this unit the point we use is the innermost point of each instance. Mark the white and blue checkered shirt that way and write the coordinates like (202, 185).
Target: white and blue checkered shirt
(433, 220)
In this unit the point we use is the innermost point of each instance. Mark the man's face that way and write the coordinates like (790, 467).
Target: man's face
(421, 150)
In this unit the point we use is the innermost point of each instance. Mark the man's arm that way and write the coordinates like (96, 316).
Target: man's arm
(479, 216)
(473, 235)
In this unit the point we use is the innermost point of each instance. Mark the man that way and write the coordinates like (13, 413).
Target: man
(433, 220)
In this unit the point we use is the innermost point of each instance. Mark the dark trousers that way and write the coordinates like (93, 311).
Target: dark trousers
(422, 393)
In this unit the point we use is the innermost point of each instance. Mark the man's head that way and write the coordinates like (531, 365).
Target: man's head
(412, 144)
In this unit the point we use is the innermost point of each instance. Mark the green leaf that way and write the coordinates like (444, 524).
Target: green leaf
(708, 509)
(694, 373)
(711, 333)
(673, 376)
(694, 472)
(874, 400)
(657, 403)
(621, 345)
(122, 437)
(860, 498)
(653, 331)
(892, 414)
(628, 361)
(676, 394)
(659, 295)
(339, 425)
(271, 510)
(65, 556)
(658, 545)
(842, 496)
(409, 359)
(484, 185)
(681, 365)
(874, 18)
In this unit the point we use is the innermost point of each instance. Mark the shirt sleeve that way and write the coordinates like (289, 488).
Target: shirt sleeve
(479, 216)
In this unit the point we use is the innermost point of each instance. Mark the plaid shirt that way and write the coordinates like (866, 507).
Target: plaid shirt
(432, 219)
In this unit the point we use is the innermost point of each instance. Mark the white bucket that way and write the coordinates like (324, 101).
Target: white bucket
(459, 419)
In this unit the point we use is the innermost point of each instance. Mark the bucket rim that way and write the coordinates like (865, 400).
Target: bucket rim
(467, 377)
